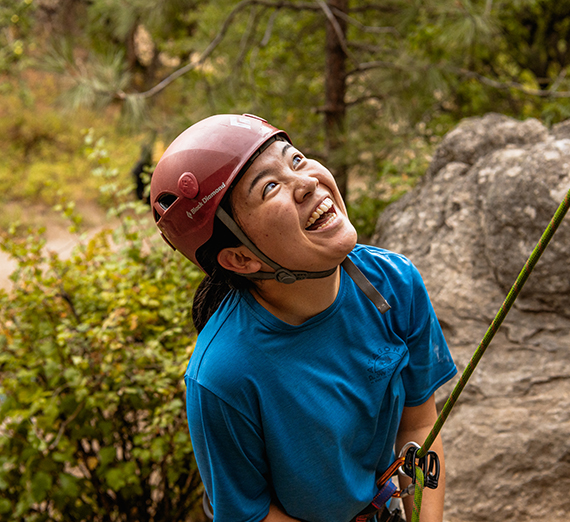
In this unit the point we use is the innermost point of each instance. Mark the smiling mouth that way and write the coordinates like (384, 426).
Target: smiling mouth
(322, 215)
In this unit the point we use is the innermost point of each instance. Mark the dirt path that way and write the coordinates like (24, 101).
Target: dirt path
(58, 237)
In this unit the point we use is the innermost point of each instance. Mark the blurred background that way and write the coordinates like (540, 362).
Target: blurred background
(369, 88)
(95, 327)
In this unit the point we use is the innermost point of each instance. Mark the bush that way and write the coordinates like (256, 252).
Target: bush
(92, 353)
(41, 144)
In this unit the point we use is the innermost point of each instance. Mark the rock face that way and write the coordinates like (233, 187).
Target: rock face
(469, 226)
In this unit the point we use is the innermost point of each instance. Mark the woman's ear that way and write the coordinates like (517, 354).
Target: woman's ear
(239, 259)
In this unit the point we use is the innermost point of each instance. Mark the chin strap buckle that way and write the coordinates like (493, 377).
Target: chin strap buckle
(285, 276)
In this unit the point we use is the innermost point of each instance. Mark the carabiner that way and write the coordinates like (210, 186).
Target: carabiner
(429, 464)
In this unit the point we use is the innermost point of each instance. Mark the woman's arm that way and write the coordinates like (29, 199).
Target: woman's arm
(415, 426)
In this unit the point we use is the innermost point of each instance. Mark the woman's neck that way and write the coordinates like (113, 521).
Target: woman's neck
(297, 302)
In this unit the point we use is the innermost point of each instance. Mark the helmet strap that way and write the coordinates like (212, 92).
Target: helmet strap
(366, 286)
(283, 275)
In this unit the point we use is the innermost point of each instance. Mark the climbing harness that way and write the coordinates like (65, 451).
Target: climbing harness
(424, 472)
(415, 461)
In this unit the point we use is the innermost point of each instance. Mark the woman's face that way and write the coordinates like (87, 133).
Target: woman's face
(291, 209)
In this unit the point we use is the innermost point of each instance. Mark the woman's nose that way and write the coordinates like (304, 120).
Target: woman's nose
(306, 185)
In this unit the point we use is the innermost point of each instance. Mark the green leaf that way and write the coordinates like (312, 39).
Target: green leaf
(158, 448)
(41, 484)
(69, 485)
(107, 455)
(5, 505)
(116, 479)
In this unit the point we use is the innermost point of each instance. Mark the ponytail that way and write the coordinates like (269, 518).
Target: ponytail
(219, 281)
(207, 299)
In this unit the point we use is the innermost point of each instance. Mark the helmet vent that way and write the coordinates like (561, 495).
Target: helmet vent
(166, 200)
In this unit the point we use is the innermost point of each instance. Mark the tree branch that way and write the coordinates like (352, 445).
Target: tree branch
(67, 298)
(366, 66)
(194, 64)
(362, 99)
(64, 425)
(214, 43)
(362, 27)
(337, 29)
(548, 93)
(373, 7)
(269, 28)
(246, 37)
(359, 67)
(277, 5)
(559, 79)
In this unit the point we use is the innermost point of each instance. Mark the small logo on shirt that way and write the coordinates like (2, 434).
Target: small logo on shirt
(383, 364)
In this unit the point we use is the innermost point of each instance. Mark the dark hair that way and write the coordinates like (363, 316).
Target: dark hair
(218, 282)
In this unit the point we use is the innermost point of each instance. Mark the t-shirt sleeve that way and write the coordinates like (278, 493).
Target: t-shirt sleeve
(229, 450)
(430, 364)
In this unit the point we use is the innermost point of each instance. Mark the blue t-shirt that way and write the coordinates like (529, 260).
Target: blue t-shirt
(306, 416)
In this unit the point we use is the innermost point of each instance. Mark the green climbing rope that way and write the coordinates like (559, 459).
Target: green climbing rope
(487, 338)
(501, 314)
(418, 492)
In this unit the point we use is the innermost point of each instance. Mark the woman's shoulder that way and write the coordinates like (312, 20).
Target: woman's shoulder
(368, 257)
(223, 345)
(392, 274)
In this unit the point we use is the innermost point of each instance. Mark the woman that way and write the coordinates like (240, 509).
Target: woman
(316, 358)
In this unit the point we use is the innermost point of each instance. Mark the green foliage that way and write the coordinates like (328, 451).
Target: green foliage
(124, 46)
(409, 65)
(510, 46)
(41, 147)
(15, 23)
(92, 353)
(374, 194)
(266, 71)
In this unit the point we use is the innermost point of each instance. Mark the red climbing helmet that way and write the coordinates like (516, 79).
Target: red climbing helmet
(196, 171)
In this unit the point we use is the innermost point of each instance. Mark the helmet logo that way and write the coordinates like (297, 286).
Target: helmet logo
(239, 122)
(188, 185)
(205, 200)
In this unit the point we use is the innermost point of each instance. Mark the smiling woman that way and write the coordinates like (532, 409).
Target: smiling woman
(303, 380)
(322, 215)
(274, 203)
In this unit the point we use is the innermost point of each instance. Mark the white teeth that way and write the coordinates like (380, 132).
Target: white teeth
(325, 206)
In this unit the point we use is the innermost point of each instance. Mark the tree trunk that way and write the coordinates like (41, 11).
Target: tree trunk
(335, 90)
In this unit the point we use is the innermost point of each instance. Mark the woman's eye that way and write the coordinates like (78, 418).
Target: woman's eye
(268, 188)
(297, 158)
